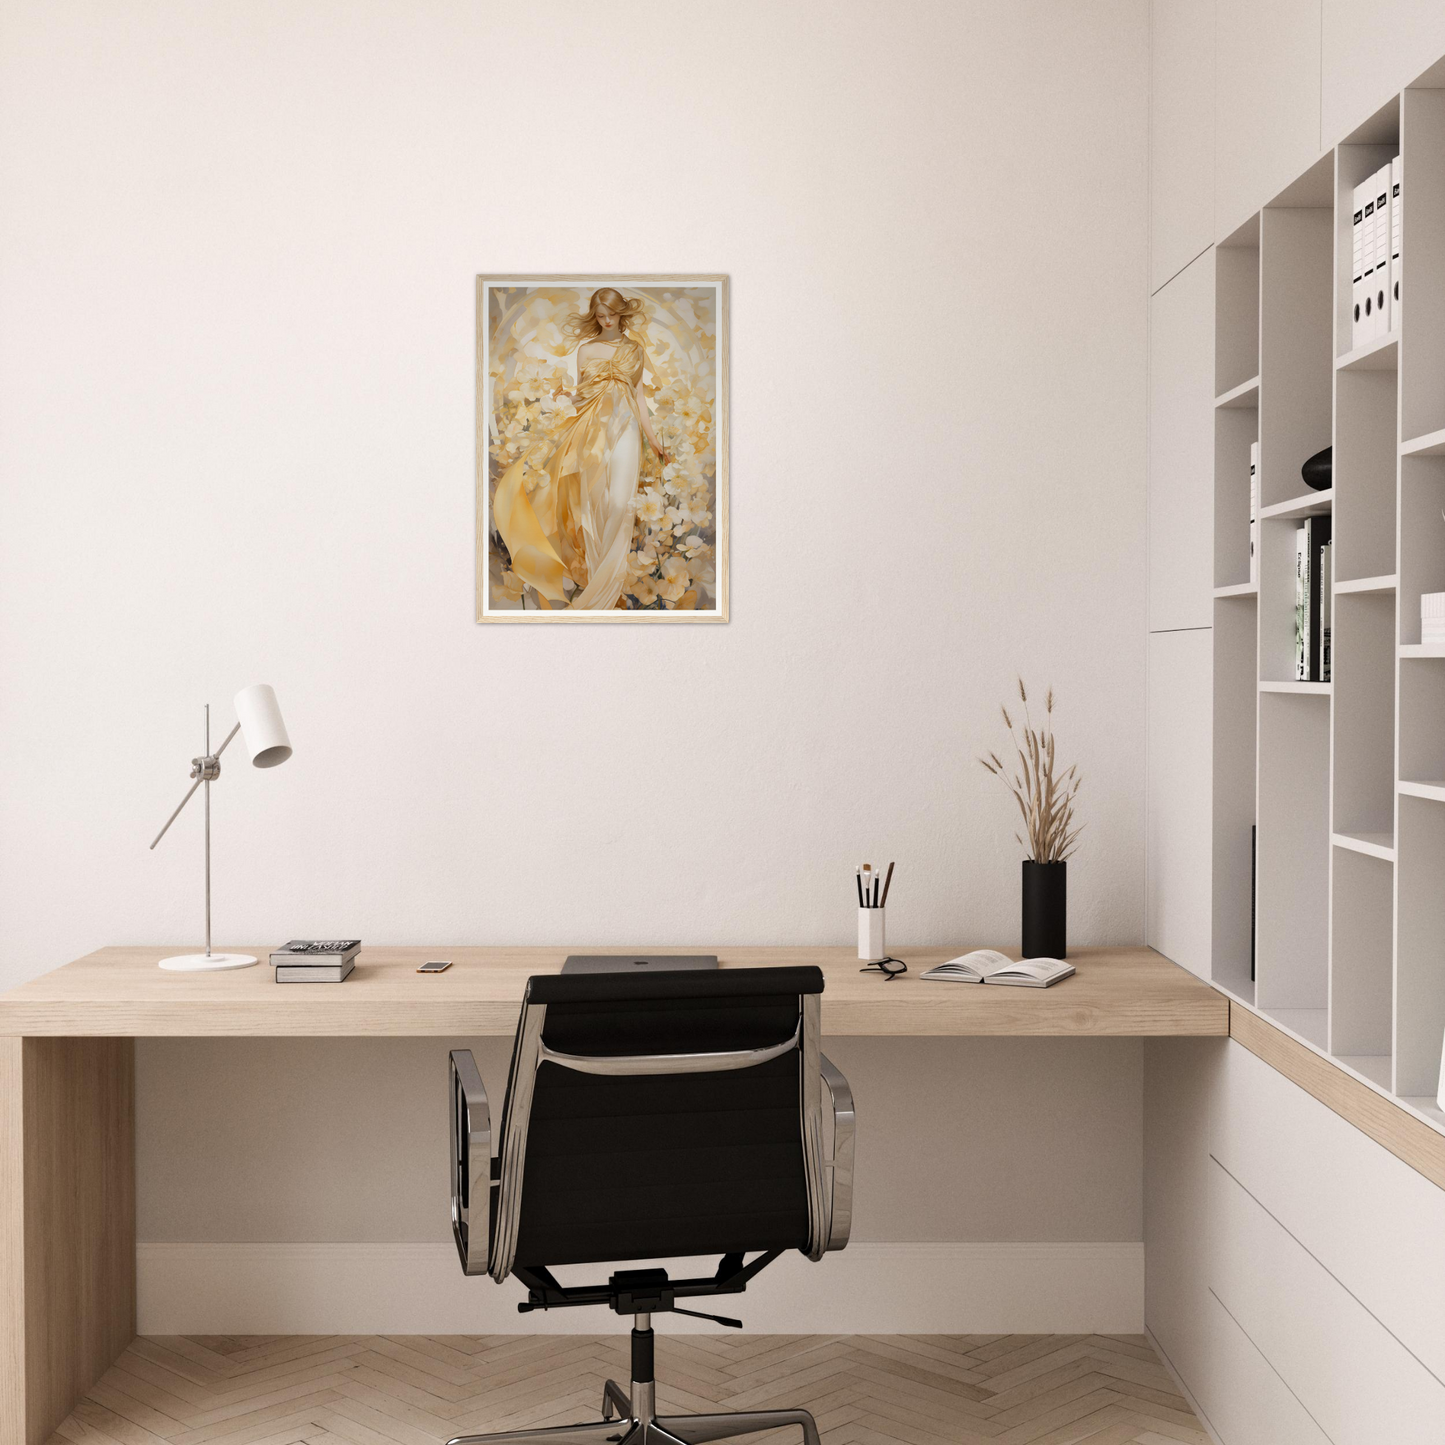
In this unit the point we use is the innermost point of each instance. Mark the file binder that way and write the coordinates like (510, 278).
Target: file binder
(1396, 226)
(1357, 269)
(1382, 252)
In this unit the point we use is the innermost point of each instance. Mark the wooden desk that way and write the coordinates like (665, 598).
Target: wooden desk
(119, 992)
(67, 1091)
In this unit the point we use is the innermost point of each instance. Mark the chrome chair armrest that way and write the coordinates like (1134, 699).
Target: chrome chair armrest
(840, 1166)
(471, 1127)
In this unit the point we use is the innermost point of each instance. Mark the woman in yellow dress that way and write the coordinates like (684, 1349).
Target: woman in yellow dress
(577, 522)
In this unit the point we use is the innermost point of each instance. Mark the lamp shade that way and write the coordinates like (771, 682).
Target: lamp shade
(262, 730)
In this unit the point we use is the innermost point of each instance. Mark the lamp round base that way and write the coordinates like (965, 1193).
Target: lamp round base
(206, 962)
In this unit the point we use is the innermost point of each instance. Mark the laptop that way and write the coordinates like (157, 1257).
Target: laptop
(637, 962)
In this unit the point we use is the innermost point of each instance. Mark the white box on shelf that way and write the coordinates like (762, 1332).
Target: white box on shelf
(1432, 617)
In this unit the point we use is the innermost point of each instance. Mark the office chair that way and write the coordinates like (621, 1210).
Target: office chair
(646, 1118)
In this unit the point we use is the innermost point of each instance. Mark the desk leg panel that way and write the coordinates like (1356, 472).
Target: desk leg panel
(67, 1224)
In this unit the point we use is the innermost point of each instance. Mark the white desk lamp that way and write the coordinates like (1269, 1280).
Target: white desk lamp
(258, 720)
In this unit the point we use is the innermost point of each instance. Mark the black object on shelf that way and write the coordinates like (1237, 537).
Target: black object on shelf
(1046, 908)
(1253, 892)
(1319, 471)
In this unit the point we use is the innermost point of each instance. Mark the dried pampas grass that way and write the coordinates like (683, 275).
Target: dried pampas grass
(1046, 801)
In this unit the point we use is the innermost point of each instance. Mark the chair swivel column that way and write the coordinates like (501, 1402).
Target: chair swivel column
(644, 1378)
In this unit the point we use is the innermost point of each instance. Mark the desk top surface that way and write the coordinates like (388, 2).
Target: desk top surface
(119, 992)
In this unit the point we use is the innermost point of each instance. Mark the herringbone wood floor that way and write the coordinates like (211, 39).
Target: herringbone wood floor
(418, 1390)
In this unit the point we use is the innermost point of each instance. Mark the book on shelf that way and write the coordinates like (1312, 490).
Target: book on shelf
(1254, 513)
(316, 952)
(988, 965)
(1326, 606)
(1310, 612)
(314, 972)
(1301, 606)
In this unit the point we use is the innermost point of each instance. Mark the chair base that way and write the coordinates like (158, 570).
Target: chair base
(640, 1427)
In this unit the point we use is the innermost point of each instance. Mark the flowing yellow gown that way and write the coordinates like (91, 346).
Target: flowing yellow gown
(578, 520)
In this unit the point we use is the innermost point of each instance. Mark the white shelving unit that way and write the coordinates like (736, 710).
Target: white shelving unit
(1344, 781)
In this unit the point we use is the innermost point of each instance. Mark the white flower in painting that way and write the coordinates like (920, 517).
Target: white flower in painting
(651, 508)
(675, 579)
(644, 589)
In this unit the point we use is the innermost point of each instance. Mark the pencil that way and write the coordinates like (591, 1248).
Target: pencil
(887, 883)
(859, 881)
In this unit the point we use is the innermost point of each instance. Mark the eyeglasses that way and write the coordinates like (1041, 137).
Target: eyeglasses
(890, 968)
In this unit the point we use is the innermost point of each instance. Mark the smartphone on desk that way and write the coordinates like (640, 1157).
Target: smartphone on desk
(435, 965)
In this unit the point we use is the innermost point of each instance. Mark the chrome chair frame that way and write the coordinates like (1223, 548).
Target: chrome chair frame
(487, 1241)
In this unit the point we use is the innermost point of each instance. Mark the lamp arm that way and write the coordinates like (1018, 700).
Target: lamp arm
(177, 813)
(227, 743)
(200, 773)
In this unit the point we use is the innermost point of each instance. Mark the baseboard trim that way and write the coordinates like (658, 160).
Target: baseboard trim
(305, 1289)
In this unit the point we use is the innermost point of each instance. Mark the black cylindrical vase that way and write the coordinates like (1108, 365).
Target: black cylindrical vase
(1046, 909)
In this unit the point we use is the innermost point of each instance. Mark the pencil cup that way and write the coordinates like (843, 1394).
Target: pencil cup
(871, 946)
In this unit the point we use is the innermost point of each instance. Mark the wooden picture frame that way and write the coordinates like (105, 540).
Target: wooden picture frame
(563, 533)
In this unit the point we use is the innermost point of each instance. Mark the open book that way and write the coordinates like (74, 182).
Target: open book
(987, 965)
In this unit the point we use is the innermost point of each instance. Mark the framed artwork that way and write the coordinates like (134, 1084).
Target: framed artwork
(602, 461)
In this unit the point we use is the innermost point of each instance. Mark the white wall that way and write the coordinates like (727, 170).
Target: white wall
(237, 374)
(237, 255)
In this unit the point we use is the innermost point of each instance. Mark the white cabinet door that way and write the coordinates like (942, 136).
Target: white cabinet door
(1266, 103)
(1366, 1216)
(1181, 134)
(1358, 1382)
(1178, 901)
(1370, 52)
(1181, 450)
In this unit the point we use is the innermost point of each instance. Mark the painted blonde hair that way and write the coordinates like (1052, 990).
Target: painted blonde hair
(630, 316)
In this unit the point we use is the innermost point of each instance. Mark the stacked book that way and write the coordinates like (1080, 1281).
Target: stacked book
(1312, 601)
(315, 960)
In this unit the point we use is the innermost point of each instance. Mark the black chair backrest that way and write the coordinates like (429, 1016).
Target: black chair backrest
(652, 1165)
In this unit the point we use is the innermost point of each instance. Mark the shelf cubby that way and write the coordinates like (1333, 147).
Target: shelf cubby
(1294, 852)
(1365, 459)
(1296, 324)
(1235, 429)
(1236, 706)
(1422, 537)
(1422, 721)
(1364, 703)
(1236, 313)
(1422, 254)
(1362, 902)
(1420, 963)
